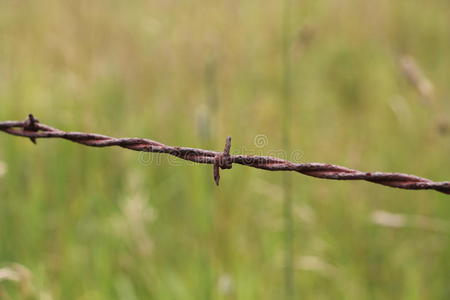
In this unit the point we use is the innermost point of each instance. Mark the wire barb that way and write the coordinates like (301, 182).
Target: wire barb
(30, 125)
(222, 161)
(32, 129)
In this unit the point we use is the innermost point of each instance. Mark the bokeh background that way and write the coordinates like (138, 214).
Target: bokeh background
(362, 84)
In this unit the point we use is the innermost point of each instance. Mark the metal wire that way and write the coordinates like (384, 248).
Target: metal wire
(32, 129)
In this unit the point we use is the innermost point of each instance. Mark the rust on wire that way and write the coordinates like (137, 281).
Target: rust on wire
(32, 129)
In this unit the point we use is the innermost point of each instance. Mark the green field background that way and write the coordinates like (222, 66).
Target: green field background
(100, 224)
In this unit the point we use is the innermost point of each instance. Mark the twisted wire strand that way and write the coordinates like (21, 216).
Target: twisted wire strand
(31, 128)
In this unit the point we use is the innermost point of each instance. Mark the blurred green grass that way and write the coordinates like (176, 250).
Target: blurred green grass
(101, 224)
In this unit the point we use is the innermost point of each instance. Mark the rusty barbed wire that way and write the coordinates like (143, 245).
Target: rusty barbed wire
(32, 129)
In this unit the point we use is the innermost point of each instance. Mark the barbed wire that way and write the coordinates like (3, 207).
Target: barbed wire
(32, 129)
